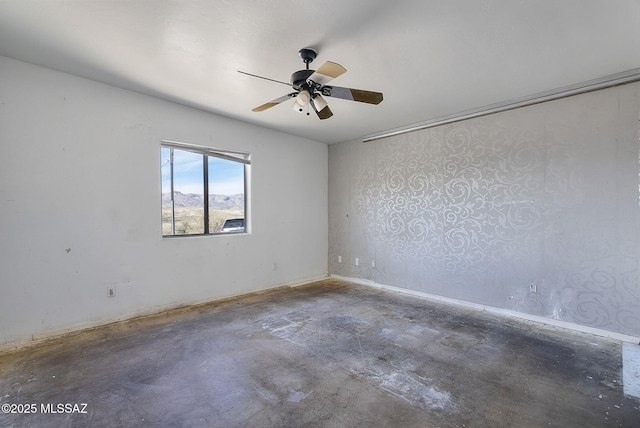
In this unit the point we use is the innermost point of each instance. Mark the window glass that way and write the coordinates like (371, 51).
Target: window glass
(189, 173)
(188, 193)
(226, 194)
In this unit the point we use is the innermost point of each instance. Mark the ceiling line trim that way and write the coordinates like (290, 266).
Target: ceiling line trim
(540, 97)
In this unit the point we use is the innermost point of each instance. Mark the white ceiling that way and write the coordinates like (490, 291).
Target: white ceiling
(430, 58)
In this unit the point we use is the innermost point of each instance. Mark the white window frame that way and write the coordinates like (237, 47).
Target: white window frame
(244, 158)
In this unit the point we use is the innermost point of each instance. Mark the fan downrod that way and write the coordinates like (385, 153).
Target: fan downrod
(307, 55)
(299, 78)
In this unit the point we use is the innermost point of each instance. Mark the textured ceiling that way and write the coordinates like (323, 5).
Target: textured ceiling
(430, 58)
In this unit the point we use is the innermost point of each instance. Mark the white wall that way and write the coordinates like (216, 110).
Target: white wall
(80, 206)
(481, 209)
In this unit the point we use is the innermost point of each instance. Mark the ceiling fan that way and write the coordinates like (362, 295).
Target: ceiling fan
(311, 85)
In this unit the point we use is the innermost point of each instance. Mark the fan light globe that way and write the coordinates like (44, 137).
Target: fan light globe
(297, 107)
(303, 98)
(319, 102)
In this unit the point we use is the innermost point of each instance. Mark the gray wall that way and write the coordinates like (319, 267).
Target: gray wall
(478, 210)
(80, 206)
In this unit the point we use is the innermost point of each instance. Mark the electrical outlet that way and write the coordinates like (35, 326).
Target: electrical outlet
(533, 288)
(357, 261)
(339, 259)
(111, 292)
(275, 266)
(373, 263)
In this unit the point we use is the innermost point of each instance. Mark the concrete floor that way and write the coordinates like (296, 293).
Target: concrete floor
(328, 354)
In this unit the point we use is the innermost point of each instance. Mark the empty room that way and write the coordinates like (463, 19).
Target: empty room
(320, 214)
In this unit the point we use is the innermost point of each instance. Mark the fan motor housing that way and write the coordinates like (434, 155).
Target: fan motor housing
(299, 78)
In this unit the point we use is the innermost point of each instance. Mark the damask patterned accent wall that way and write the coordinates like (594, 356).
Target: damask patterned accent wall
(481, 209)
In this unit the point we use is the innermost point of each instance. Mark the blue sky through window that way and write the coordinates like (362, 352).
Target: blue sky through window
(225, 177)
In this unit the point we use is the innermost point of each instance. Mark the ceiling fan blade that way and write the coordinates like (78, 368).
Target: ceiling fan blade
(275, 102)
(265, 78)
(352, 94)
(327, 72)
(324, 113)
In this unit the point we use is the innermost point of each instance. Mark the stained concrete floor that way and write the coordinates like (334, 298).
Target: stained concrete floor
(328, 354)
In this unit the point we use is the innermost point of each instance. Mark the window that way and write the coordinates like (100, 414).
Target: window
(191, 172)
